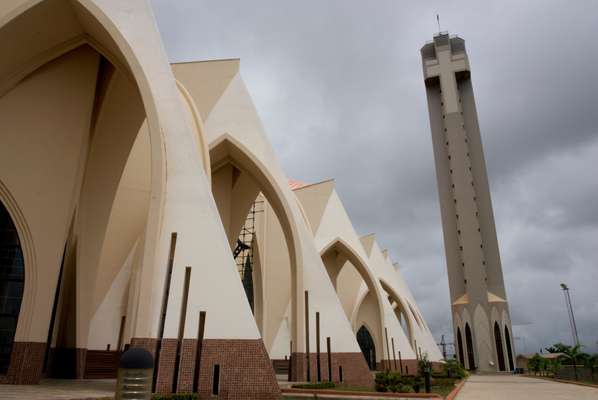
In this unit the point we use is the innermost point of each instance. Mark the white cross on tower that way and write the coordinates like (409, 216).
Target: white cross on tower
(448, 59)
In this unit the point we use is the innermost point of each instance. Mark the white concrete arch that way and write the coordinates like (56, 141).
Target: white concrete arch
(404, 305)
(340, 246)
(228, 150)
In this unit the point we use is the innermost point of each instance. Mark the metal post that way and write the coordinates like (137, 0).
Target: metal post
(388, 367)
(307, 335)
(570, 312)
(290, 360)
(318, 346)
(394, 354)
(329, 359)
(200, 334)
(400, 362)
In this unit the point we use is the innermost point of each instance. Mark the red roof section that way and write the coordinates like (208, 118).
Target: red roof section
(294, 185)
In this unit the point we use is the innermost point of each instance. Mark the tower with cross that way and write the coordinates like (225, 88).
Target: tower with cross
(481, 321)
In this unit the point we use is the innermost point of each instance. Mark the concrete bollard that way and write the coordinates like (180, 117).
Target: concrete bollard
(135, 374)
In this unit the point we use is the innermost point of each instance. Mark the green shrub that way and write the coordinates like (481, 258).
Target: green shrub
(454, 369)
(394, 382)
(387, 380)
(175, 396)
(321, 385)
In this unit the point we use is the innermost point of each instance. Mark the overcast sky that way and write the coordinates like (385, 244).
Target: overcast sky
(339, 88)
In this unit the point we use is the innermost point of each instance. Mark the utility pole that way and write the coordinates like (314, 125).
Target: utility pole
(443, 345)
(570, 312)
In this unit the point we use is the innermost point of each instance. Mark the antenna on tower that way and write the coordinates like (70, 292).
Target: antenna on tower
(438, 21)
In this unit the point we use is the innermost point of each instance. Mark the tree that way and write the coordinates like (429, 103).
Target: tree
(454, 369)
(558, 348)
(591, 362)
(573, 354)
(534, 363)
(554, 365)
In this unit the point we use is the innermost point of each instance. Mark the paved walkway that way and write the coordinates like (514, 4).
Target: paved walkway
(516, 387)
(60, 389)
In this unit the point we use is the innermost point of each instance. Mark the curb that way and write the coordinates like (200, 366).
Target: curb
(456, 390)
(564, 381)
(324, 393)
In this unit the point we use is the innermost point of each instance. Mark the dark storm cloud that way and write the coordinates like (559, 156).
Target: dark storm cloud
(338, 85)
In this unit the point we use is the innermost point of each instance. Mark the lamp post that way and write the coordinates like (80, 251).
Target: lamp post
(570, 312)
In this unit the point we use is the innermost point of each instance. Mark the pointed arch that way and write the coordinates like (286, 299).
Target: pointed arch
(460, 347)
(12, 284)
(227, 150)
(404, 306)
(367, 346)
(500, 356)
(341, 247)
(469, 343)
(509, 348)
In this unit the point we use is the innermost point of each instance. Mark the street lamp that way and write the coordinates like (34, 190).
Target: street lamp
(570, 312)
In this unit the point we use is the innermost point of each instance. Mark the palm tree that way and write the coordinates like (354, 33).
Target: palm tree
(573, 354)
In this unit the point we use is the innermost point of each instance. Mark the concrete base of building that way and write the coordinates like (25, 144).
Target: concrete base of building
(347, 368)
(229, 368)
(26, 363)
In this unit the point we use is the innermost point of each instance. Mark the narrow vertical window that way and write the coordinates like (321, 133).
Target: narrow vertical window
(216, 379)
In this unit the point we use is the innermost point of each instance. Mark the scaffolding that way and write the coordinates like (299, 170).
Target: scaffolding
(243, 252)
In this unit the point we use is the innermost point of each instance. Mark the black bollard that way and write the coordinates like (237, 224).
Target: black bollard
(135, 372)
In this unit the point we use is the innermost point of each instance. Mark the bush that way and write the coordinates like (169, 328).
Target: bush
(320, 385)
(385, 381)
(394, 382)
(454, 369)
(175, 396)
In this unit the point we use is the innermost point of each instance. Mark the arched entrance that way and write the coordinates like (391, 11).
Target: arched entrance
(499, 350)
(460, 347)
(469, 344)
(12, 282)
(367, 346)
(509, 350)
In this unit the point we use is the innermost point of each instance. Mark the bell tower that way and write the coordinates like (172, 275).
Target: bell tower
(481, 321)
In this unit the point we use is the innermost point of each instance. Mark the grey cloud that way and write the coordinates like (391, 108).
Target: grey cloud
(339, 87)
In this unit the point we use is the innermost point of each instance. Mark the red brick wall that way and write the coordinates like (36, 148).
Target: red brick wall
(409, 366)
(187, 366)
(26, 363)
(245, 369)
(166, 366)
(149, 344)
(355, 369)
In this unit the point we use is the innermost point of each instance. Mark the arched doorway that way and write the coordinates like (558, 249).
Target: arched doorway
(509, 350)
(367, 346)
(460, 347)
(469, 344)
(12, 282)
(500, 355)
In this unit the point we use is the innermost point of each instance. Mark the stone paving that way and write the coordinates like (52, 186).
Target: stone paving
(60, 389)
(517, 387)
